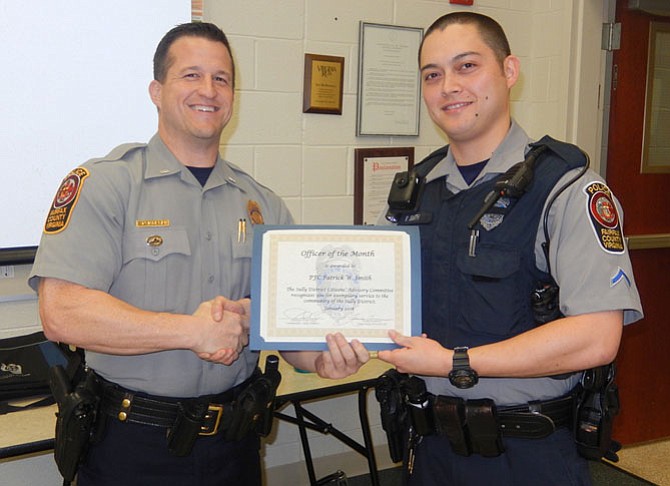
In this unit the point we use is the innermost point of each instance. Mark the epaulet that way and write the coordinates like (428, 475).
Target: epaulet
(119, 152)
(564, 150)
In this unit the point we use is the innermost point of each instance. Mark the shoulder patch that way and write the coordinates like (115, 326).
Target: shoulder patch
(65, 201)
(604, 217)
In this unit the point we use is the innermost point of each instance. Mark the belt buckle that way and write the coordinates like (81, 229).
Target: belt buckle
(212, 410)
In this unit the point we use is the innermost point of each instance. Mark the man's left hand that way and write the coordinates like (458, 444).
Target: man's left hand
(342, 358)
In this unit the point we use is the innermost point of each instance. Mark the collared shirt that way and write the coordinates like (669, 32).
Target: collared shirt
(144, 230)
(589, 277)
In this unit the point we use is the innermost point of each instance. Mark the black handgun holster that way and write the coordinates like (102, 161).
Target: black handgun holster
(75, 419)
(253, 410)
(597, 405)
(393, 411)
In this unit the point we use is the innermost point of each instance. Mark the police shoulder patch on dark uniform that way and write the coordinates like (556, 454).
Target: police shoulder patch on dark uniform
(604, 217)
(65, 201)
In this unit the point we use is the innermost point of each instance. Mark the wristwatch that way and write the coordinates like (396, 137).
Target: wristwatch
(461, 375)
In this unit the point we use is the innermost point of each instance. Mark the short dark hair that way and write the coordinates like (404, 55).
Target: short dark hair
(162, 61)
(490, 30)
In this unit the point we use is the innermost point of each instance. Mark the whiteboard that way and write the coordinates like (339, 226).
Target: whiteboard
(74, 84)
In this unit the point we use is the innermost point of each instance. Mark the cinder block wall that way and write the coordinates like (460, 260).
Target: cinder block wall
(309, 158)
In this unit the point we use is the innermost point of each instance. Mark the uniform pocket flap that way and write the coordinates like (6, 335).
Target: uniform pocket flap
(155, 243)
(490, 263)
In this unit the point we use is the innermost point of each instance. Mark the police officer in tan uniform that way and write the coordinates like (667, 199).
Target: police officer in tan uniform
(145, 264)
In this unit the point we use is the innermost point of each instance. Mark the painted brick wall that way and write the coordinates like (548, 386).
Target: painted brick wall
(308, 159)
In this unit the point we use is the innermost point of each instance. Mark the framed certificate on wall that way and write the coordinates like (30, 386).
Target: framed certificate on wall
(389, 88)
(374, 171)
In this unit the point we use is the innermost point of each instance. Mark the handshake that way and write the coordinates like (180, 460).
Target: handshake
(222, 330)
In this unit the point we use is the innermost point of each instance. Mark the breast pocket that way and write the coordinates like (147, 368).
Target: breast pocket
(490, 290)
(239, 280)
(156, 264)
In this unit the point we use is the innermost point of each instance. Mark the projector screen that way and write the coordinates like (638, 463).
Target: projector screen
(74, 83)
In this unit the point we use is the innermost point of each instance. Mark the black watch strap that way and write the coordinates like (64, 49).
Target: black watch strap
(462, 375)
(461, 358)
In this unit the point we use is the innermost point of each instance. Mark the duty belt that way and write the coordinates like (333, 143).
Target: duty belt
(134, 407)
(534, 420)
(477, 426)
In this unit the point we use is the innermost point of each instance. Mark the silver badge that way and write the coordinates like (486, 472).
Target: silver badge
(490, 221)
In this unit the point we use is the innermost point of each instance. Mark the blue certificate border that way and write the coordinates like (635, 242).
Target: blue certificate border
(256, 342)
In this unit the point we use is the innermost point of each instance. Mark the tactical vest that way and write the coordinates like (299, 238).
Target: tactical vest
(476, 300)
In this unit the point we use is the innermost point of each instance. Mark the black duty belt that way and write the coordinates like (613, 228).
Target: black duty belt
(536, 419)
(140, 408)
(478, 426)
(533, 420)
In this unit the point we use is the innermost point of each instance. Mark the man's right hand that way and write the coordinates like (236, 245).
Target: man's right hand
(227, 329)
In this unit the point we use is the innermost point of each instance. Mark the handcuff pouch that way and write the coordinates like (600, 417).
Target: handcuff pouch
(450, 421)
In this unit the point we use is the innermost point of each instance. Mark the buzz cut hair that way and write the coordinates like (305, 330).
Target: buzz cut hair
(492, 33)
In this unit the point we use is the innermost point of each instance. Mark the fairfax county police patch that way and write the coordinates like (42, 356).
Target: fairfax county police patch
(65, 201)
(604, 217)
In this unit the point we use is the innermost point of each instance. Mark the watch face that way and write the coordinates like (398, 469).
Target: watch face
(463, 378)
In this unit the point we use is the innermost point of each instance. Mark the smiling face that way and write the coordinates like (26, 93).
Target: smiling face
(465, 88)
(195, 100)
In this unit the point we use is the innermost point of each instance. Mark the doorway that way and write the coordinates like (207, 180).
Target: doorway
(644, 357)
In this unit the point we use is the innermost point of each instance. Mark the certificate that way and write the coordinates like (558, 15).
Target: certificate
(308, 281)
(375, 169)
(389, 88)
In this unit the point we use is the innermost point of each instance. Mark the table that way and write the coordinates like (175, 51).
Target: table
(33, 430)
(296, 388)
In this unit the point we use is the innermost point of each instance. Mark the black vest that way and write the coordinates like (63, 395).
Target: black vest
(475, 300)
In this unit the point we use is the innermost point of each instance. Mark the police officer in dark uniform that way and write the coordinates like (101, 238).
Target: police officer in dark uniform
(499, 375)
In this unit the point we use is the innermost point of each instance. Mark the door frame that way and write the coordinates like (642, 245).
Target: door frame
(588, 107)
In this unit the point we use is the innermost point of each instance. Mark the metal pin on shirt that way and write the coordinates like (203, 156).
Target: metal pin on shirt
(474, 236)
